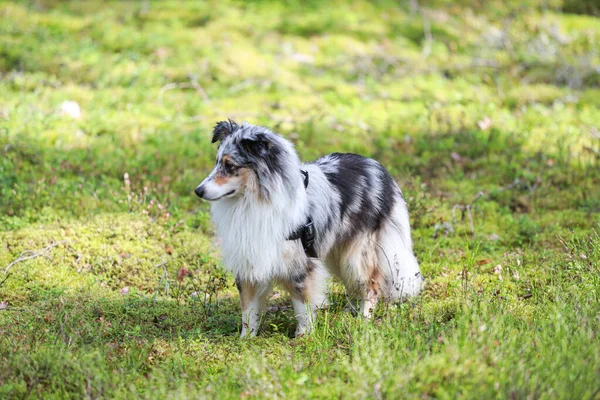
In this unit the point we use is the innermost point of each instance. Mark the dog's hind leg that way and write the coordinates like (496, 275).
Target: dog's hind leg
(253, 297)
(362, 274)
(371, 293)
(308, 290)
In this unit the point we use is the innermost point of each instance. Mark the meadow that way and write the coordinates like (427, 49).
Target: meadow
(486, 113)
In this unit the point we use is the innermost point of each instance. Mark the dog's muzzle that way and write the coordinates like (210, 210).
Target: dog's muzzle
(199, 191)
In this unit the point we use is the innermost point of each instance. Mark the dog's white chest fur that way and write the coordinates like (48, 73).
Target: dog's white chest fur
(252, 234)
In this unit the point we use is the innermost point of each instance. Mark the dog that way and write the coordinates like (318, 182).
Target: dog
(280, 221)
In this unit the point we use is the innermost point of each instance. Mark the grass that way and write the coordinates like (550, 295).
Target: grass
(486, 113)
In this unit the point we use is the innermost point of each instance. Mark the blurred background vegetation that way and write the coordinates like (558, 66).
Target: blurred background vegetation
(380, 78)
(486, 112)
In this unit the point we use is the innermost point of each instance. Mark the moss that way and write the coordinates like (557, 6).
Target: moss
(487, 119)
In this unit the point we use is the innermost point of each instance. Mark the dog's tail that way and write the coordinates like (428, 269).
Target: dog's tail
(396, 259)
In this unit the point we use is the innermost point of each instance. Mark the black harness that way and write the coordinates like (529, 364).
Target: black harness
(306, 232)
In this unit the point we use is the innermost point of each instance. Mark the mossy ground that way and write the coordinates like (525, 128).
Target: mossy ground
(487, 114)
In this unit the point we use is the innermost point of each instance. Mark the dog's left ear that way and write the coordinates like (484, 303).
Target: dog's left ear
(223, 129)
(259, 145)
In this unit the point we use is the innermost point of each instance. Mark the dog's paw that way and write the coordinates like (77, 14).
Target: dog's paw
(302, 330)
(247, 333)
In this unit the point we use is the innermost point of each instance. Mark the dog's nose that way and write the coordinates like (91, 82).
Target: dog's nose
(200, 191)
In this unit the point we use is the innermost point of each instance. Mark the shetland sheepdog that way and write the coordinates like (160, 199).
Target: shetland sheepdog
(280, 221)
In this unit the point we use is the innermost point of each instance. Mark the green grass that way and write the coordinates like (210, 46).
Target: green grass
(483, 111)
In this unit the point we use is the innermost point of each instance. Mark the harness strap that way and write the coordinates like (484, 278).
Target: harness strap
(306, 233)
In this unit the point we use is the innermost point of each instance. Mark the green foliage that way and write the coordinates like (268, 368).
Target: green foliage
(485, 112)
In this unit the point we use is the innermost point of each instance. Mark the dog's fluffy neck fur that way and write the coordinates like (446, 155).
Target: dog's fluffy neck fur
(252, 229)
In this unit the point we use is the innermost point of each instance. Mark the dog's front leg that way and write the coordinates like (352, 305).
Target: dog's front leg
(306, 315)
(253, 298)
(308, 290)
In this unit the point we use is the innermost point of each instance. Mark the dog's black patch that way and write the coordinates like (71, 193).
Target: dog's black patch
(385, 198)
(354, 178)
(256, 146)
(350, 169)
(263, 155)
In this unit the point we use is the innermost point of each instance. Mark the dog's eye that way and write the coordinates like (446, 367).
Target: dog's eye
(228, 165)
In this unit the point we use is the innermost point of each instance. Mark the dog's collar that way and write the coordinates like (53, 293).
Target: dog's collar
(306, 232)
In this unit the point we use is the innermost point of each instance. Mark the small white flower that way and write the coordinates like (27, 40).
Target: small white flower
(71, 108)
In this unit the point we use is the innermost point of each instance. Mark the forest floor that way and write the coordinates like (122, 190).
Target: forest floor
(487, 116)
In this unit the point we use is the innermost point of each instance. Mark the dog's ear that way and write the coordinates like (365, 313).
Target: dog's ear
(223, 129)
(258, 145)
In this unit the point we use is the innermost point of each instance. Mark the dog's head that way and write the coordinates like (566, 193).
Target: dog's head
(246, 154)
